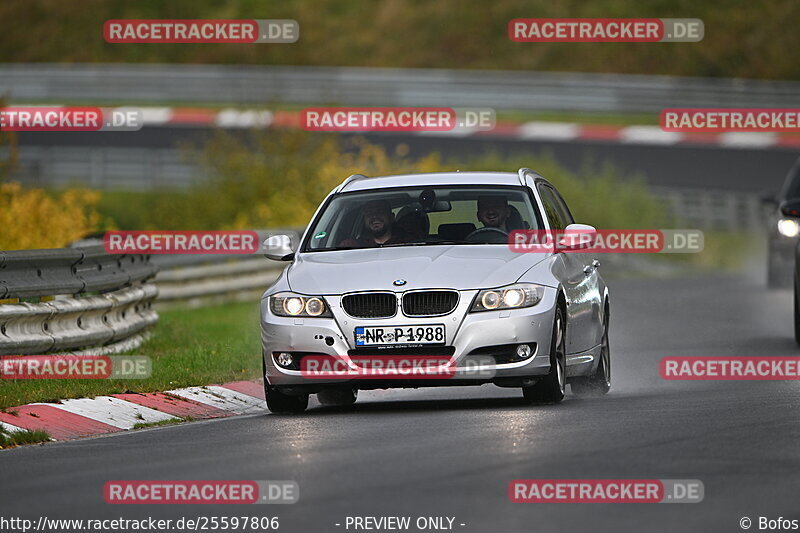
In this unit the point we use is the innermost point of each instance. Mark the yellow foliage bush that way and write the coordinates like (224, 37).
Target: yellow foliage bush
(34, 218)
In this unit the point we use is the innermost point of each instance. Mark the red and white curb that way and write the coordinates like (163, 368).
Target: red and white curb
(536, 130)
(86, 417)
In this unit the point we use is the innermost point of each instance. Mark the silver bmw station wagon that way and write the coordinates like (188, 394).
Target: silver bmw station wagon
(395, 271)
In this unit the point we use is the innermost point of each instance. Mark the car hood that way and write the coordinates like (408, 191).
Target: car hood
(450, 266)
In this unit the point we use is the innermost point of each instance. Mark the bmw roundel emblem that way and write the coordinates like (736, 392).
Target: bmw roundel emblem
(399, 282)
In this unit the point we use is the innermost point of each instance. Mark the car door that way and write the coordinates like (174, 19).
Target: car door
(578, 277)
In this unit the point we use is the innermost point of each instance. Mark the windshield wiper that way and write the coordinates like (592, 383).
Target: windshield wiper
(426, 243)
(394, 245)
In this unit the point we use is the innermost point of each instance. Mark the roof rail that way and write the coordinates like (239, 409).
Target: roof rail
(349, 180)
(522, 173)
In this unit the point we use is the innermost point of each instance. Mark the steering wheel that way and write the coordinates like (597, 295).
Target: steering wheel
(488, 236)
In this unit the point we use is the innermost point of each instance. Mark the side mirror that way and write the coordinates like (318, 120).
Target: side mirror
(790, 208)
(279, 248)
(578, 237)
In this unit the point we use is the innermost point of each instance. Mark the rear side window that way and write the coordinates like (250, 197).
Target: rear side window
(557, 212)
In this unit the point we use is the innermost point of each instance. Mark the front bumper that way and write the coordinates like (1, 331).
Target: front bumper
(465, 333)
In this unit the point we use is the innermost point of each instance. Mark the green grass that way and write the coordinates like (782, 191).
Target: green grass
(723, 251)
(170, 422)
(19, 438)
(610, 119)
(189, 347)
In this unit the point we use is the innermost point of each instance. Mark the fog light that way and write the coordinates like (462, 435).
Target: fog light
(524, 351)
(285, 359)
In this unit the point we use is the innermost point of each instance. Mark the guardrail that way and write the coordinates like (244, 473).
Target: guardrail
(81, 300)
(31, 82)
(194, 280)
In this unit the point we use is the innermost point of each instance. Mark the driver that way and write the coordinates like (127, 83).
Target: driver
(378, 225)
(493, 211)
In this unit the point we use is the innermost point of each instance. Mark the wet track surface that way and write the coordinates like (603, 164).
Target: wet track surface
(452, 452)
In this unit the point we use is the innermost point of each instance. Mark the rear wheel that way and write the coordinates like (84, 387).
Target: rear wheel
(598, 383)
(551, 388)
(338, 397)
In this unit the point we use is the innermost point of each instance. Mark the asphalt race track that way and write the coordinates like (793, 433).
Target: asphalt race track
(700, 166)
(453, 452)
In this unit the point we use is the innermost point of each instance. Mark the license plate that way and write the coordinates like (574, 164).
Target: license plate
(393, 335)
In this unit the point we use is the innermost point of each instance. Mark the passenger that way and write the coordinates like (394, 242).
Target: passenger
(493, 211)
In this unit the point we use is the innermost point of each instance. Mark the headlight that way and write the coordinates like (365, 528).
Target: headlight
(289, 304)
(788, 227)
(511, 297)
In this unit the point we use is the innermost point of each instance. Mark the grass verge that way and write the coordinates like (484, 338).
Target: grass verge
(19, 438)
(171, 422)
(189, 347)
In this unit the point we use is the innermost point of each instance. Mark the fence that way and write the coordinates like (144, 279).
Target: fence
(32, 82)
(711, 209)
(74, 300)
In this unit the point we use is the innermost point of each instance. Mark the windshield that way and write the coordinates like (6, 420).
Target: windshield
(418, 216)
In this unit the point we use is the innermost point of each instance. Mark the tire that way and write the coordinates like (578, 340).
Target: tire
(280, 403)
(338, 397)
(551, 388)
(598, 383)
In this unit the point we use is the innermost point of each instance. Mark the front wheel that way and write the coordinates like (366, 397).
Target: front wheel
(598, 383)
(277, 401)
(551, 388)
(280, 403)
